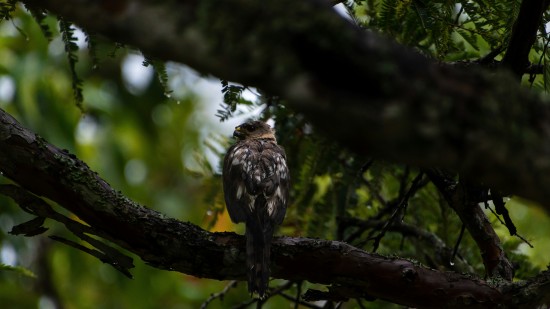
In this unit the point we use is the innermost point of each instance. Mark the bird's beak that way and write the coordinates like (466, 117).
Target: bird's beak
(238, 132)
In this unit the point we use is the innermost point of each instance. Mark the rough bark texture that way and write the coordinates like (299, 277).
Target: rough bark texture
(374, 96)
(395, 102)
(169, 244)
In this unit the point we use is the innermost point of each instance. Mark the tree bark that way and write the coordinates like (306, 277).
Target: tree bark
(165, 243)
(370, 94)
(524, 35)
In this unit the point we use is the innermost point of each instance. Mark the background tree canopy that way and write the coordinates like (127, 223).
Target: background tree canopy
(416, 133)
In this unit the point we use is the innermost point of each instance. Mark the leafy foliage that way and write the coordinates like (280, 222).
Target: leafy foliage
(155, 151)
(7, 7)
(116, 136)
(447, 30)
(160, 70)
(71, 48)
(40, 17)
(17, 269)
(232, 96)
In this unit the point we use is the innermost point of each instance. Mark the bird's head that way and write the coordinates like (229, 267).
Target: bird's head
(254, 130)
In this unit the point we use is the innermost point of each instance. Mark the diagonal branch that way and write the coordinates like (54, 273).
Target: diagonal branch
(165, 243)
(372, 95)
(464, 200)
(524, 34)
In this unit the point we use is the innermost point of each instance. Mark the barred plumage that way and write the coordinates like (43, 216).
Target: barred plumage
(256, 188)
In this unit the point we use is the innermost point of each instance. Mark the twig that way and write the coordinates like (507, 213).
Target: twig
(443, 253)
(360, 303)
(298, 293)
(246, 303)
(457, 19)
(404, 202)
(220, 295)
(369, 185)
(260, 302)
(515, 233)
(455, 249)
(298, 302)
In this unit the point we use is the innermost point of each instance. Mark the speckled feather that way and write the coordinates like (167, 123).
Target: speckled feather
(256, 190)
(251, 168)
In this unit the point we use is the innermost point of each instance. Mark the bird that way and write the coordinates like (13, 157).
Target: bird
(256, 185)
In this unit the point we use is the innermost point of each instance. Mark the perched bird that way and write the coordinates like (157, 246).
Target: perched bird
(256, 188)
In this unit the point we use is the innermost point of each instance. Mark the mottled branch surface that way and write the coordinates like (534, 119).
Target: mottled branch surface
(372, 95)
(165, 243)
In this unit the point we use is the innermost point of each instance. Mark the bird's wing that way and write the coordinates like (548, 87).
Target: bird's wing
(237, 187)
(256, 179)
(276, 182)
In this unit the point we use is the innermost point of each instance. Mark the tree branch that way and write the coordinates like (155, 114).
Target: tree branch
(464, 199)
(524, 34)
(169, 244)
(367, 92)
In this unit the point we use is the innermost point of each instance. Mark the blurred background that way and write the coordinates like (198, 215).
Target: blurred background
(159, 139)
(160, 144)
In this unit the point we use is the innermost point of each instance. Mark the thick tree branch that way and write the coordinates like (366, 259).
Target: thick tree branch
(465, 199)
(372, 95)
(169, 244)
(524, 34)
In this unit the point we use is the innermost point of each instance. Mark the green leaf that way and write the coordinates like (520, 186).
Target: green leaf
(18, 269)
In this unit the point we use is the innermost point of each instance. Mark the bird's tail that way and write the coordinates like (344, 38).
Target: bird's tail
(258, 252)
